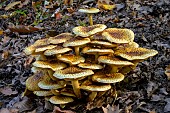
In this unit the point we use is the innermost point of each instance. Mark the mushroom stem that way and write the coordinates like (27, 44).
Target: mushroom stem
(90, 19)
(96, 57)
(92, 96)
(135, 62)
(77, 50)
(114, 69)
(126, 70)
(76, 88)
(26, 92)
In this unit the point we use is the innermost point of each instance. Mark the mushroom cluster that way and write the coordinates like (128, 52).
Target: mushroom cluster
(89, 60)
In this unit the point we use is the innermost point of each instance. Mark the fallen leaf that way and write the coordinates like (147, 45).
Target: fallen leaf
(167, 72)
(58, 110)
(58, 16)
(11, 5)
(24, 3)
(106, 4)
(5, 110)
(167, 108)
(151, 88)
(7, 91)
(23, 28)
(28, 61)
(5, 55)
(1, 32)
(111, 109)
(25, 105)
(68, 2)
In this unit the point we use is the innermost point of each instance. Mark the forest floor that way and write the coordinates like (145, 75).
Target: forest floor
(145, 90)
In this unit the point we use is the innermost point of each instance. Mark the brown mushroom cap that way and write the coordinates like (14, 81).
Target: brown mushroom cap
(32, 82)
(136, 53)
(56, 50)
(98, 36)
(118, 35)
(108, 78)
(41, 42)
(130, 44)
(52, 65)
(61, 38)
(71, 59)
(90, 30)
(43, 93)
(76, 41)
(88, 86)
(60, 99)
(89, 50)
(72, 72)
(113, 61)
(90, 66)
(89, 10)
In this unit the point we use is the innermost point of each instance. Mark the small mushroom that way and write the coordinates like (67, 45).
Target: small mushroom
(76, 42)
(114, 62)
(97, 51)
(42, 48)
(94, 88)
(57, 99)
(117, 35)
(88, 31)
(73, 73)
(71, 59)
(89, 12)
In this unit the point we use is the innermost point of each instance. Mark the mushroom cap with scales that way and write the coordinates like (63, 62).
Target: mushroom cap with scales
(89, 50)
(136, 53)
(72, 73)
(117, 35)
(52, 65)
(89, 30)
(107, 78)
(71, 59)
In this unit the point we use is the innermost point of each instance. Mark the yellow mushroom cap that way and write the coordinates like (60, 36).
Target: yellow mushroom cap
(89, 50)
(130, 44)
(89, 86)
(90, 30)
(89, 10)
(103, 43)
(52, 65)
(72, 72)
(108, 78)
(71, 59)
(60, 99)
(44, 47)
(136, 53)
(117, 35)
(113, 61)
(56, 50)
(32, 82)
(51, 84)
(90, 66)
(31, 49)
(76, 41)
(98, 36)
(43, 93)
(61, 38)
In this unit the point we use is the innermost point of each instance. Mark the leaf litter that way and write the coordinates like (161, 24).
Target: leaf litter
(146, 88)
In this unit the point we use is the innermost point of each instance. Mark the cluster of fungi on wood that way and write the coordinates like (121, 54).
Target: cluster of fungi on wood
(90, 60)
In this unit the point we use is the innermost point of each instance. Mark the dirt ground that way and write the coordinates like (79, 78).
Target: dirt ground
(145, 90)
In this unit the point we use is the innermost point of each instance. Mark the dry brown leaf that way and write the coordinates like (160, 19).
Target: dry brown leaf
(167, 71)
(5, 110)
(11, 5)
(5, 55)
(58, 110)
(106, 4)
(7, 91)
(68, 2)
(24, 3)
(24, 105)
(111, 109)
(23, 28)
(58, 16)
